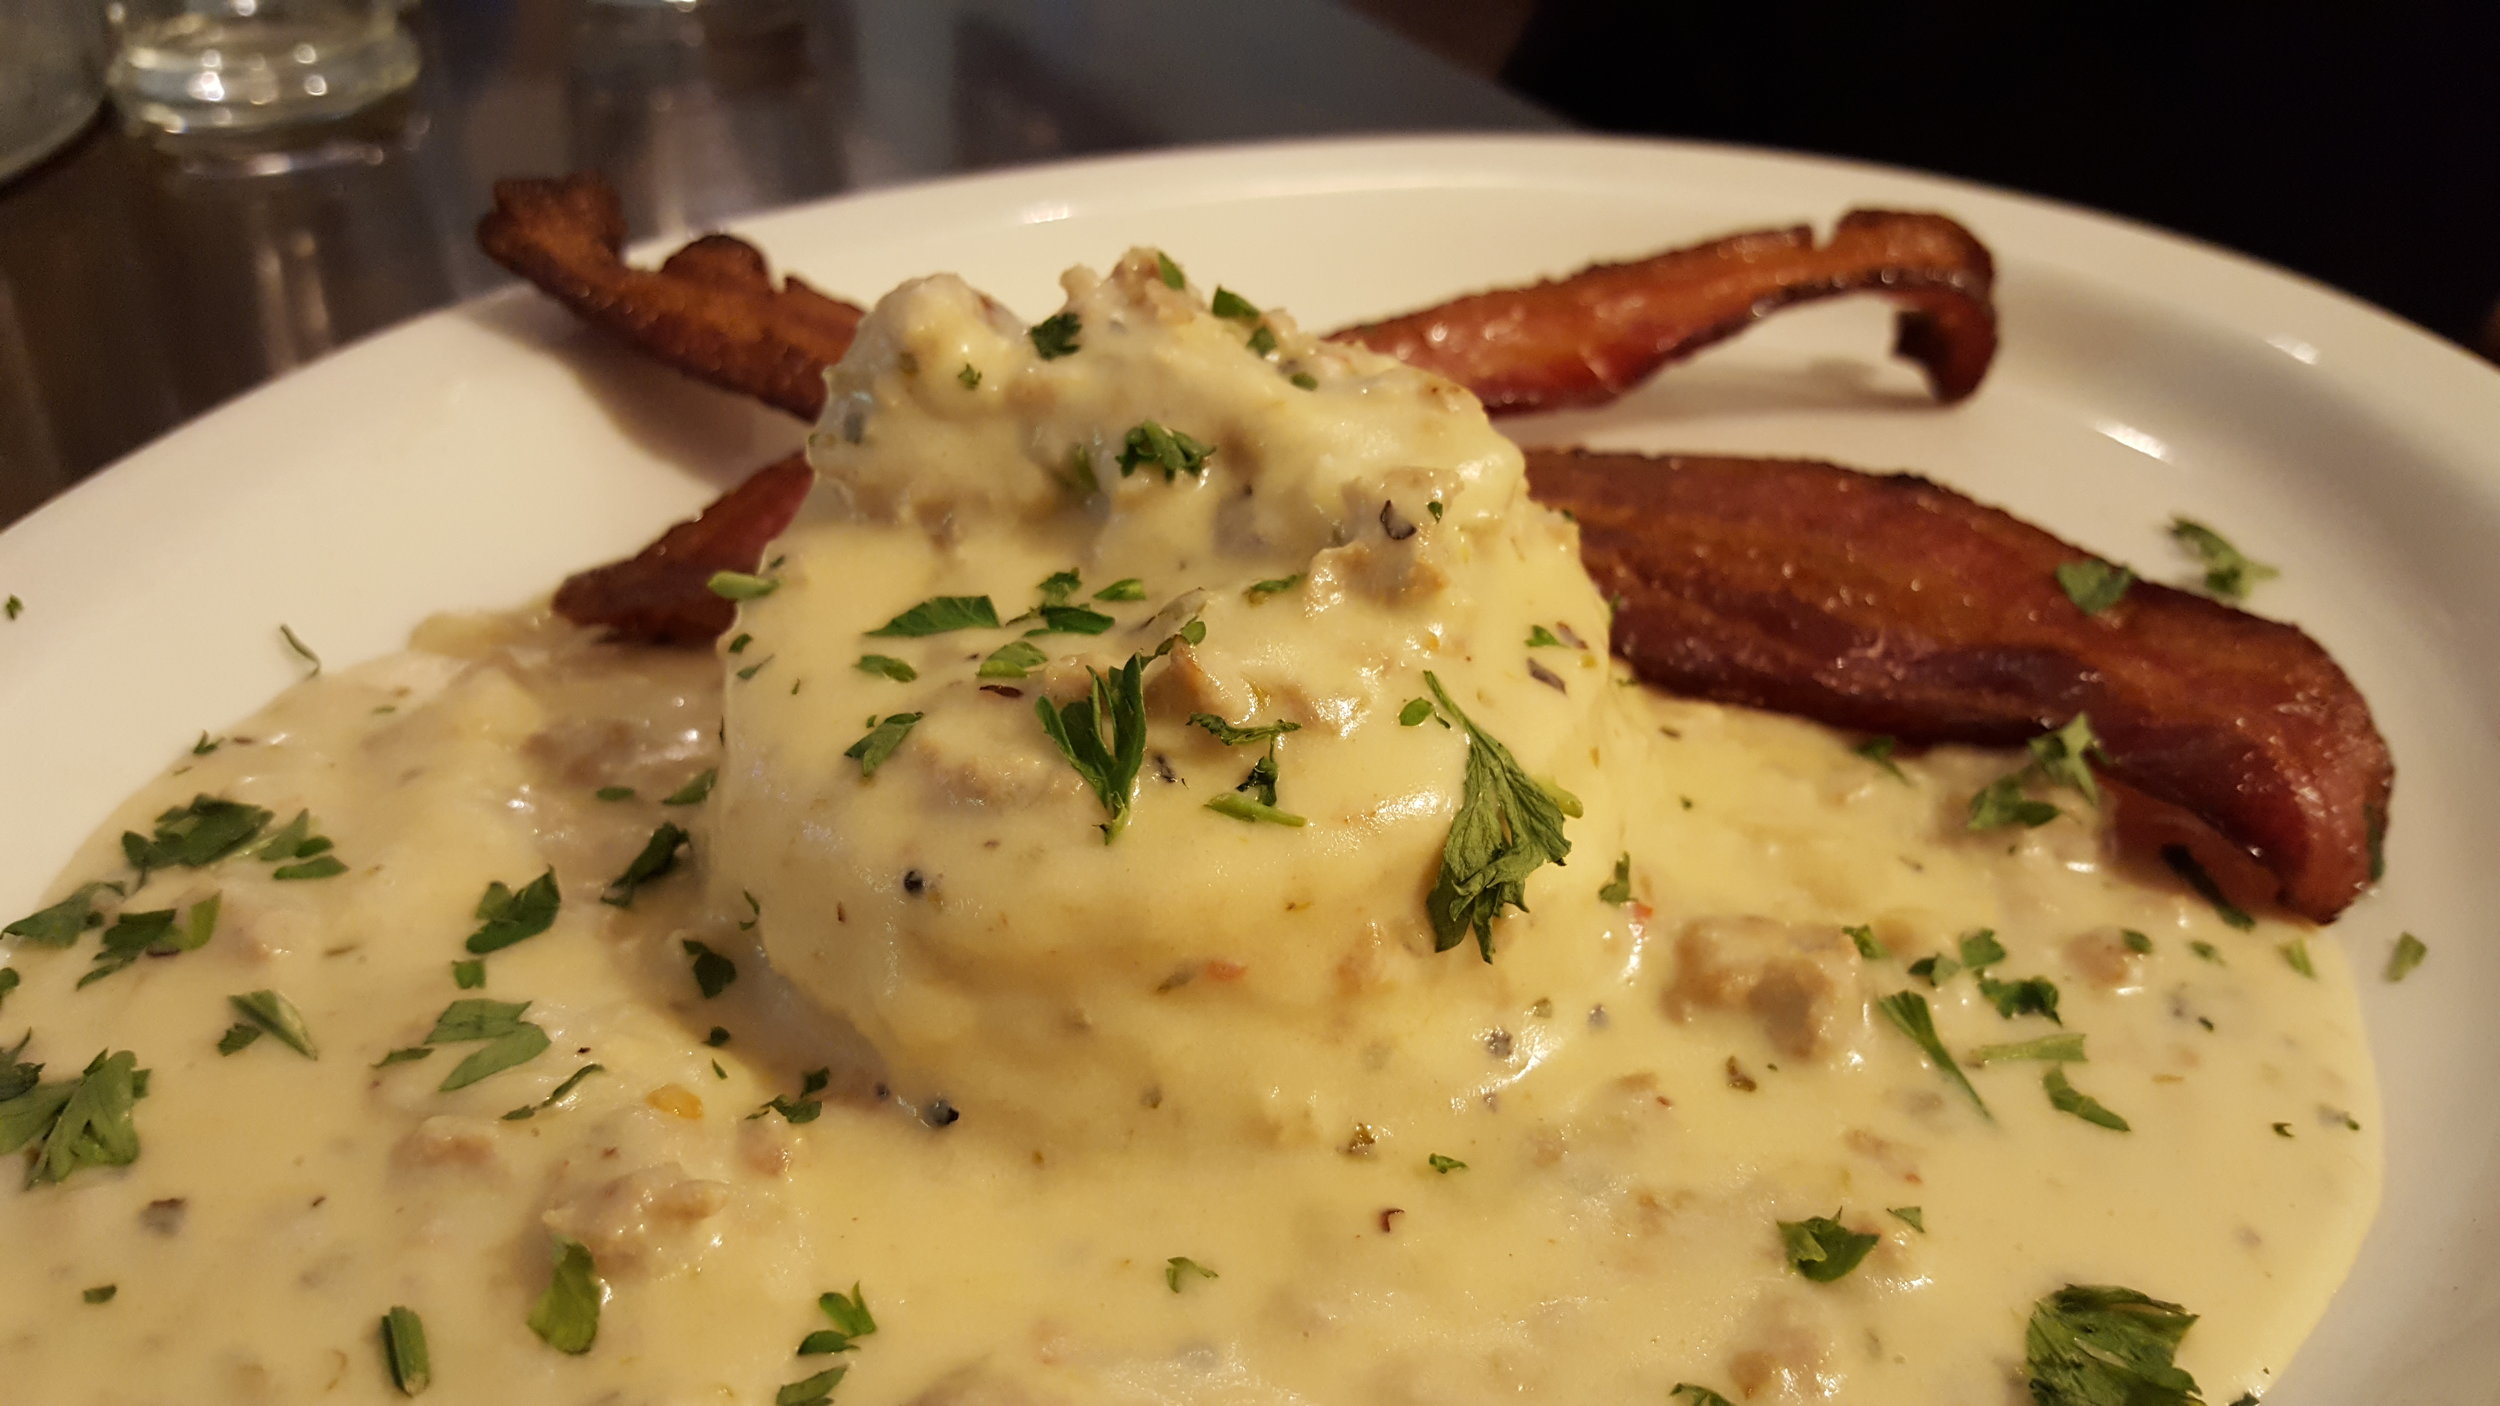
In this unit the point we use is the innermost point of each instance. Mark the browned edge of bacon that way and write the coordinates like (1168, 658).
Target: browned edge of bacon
(1888, 604)
(662, 594)
(1585, 339)
(711, 310)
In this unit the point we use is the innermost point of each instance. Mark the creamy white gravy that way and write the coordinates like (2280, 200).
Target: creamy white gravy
(1059, 1063)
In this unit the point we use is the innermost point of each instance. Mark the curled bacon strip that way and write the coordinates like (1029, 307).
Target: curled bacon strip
(662, 594)
(1586, 339)
(1890, 605)
(711, 310)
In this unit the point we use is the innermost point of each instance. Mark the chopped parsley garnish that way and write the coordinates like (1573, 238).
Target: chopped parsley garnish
(1822, 1249)
(301, 650)
(194, 836)
(1232, 736)
(8, 982)
(695, 791)
(614, 793)
(76, 1123)
(2098, 1345)
(718, 1037)
(1909, 1012)
(1698, 1395)
(1241, 807)
(2063, 757)
(872, 751)
(1868, 947)
(806, 1106)
(567, 1315)
(571, 1082)
(15, 607)
(970, 375)
(1126, 588)
(2207, 951)
(1305, 380)
(1262, 341)
(206, 744)
(2063, 1049)
(101, 1293)
(886, 666)
(1150, 445)
(408, 1055)
(1179, 1265)
(2136, 942)
(2283, 1130)
(1618, 890)
(742, 585)
(738, 643)
(504, 1040)
(1234, 307)
(1507, 827)
(1055, 336)
(2092, 584)
(270, 1011)
(296, 841)
(1935, 970)
(1540, 637)
(136, 935)
(1981, 949)
(2185, 866)
(506, 917)
(60, 924)
(2296, 955)
(2408, 954)
(851, 1322)
(1416, 711)
(2228, 572)
(1013, 660)
(811, 1391)
(1258, 591)
(403, 1351)
(1879, 750)
(1911, 1216)
(2066, 1098)
(239, 1037)
(658, 858)
(1444, 1165)
(712, 971)
(1103, 737)
(938, 615)
(1060, 587)
(1168, 271)
(1070, 620)
(2001, 803)
(468, 975)
(2033, 995)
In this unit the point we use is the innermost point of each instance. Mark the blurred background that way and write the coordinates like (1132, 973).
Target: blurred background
(147, 277)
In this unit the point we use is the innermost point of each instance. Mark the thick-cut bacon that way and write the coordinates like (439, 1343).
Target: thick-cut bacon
(662, 594)
(1586, 339)
(712, 310)
(1890, 605)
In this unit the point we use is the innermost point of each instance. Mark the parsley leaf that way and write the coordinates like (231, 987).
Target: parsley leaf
(1822, 1249)
(2063, 757)
(1698, 1395)
(1980, 948)
(2098, 1345)
(806, 1106)
(741, 585)
(1868, 947)
(1179, 1265)
(555, 1096)
(1911, 1216)
(2066, 1098)
(811, 1391)
(872, 751)
(2065, 1048)
(1013, 660)
(2228, 572)
(2092, 584)
(567, 1315)
(695, 791)
(84, 1122)
(270, 1011)
(508, 1039)
(8, 982)
(1416, 711)
(2185, 866)
(1103, 737)
(408, 1055)
(14, 607)
(1879, 750)
(970, 375)
(2296, 955)
(1618, 890)
(1909, 1012)
(1070, 620)
(468, 975)
(240, 1036)
(712, 971)
(1258, 591)
(294, 840)
(194, 836)
(60, 924)
(1507, 827)
(939, 615)
(2033, 995)
(1241, 807)
(1444, 1165)
(328, 866)
(136, 935)
(1126, 588)
(851, 1321)
(1056, 336)
(887, 666)
(300, 649)
(101, 1293)
(1150, 445)
(658, 857)
(404, 1351)
(1233, 307)
(1232, 736)
(2001, 803)
(2408, 954)
(1168, 271)
(506, 917)
(1540, 637)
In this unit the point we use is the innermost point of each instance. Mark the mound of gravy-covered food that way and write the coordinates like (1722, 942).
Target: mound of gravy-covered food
(1161, 896)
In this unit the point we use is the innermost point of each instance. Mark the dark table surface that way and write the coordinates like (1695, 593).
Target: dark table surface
(143, 281)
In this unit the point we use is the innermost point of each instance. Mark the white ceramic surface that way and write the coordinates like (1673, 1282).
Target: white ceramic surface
(473, 457)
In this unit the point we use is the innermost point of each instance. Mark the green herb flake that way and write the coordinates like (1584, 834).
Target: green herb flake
(806, 1106)
(8, 982)
(566, 1317)
(206, 745)
(1168, 271)
(2063, 757)
(2001, 803)
(2136, 942)
(886, 666)
(409, 1055)
(2066, 1048)
(2207, 951)
(2296, 956)
(1150, 445)
(195, 836)
(14, 607)
(614, 793)
(741, 585)
(1507, 827)
(2033, 995)
(1258, 591)
(2283, 1130)
(1232, 736)
(712, 971)
(657, 859)
(2228, 572)
(940, 615)
(811, 1391)
(1822, 1249)
(1540, 637)
(2098, 1345)
(154, 933)
(276, 1014)
(1867, 946)
(1618, 890)
(1697, 1395)
(873, 750)
(468, 975)
(1013, 660)
(1233, 307)
(738, 644)
(1179, 1265)
(1070, 620)
(1935, 970)
(1241, 807)
(1444, 1165)
(970, 376)
(506, 916)
(1126, 588)
(1305, 380)
(695, 791)
(850, 1318)
(2185, 866)
(571, 1082)
(60, 924)
(404, 1352)
(507, 1040)
(2407, 954)
(1909, 1012)
(1879, 750)
(1103, 737)
(718, 1036)
(2066, 1098)
(1056, 336)
(76, 1123)
(301, 650)
(101, 1293)
(1415, 712)
(2092, 584)
(1911, 1216)
(328, 866)
(1980, 949)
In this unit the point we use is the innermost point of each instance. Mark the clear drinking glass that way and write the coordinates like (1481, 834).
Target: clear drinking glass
(232, 65)
(49, 71)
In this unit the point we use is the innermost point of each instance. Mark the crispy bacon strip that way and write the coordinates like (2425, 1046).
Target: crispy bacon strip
(712, 310)
(1586, 339)
(1890, 605)
(662, 594)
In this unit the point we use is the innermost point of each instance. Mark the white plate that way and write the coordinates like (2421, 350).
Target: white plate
(473, 457)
